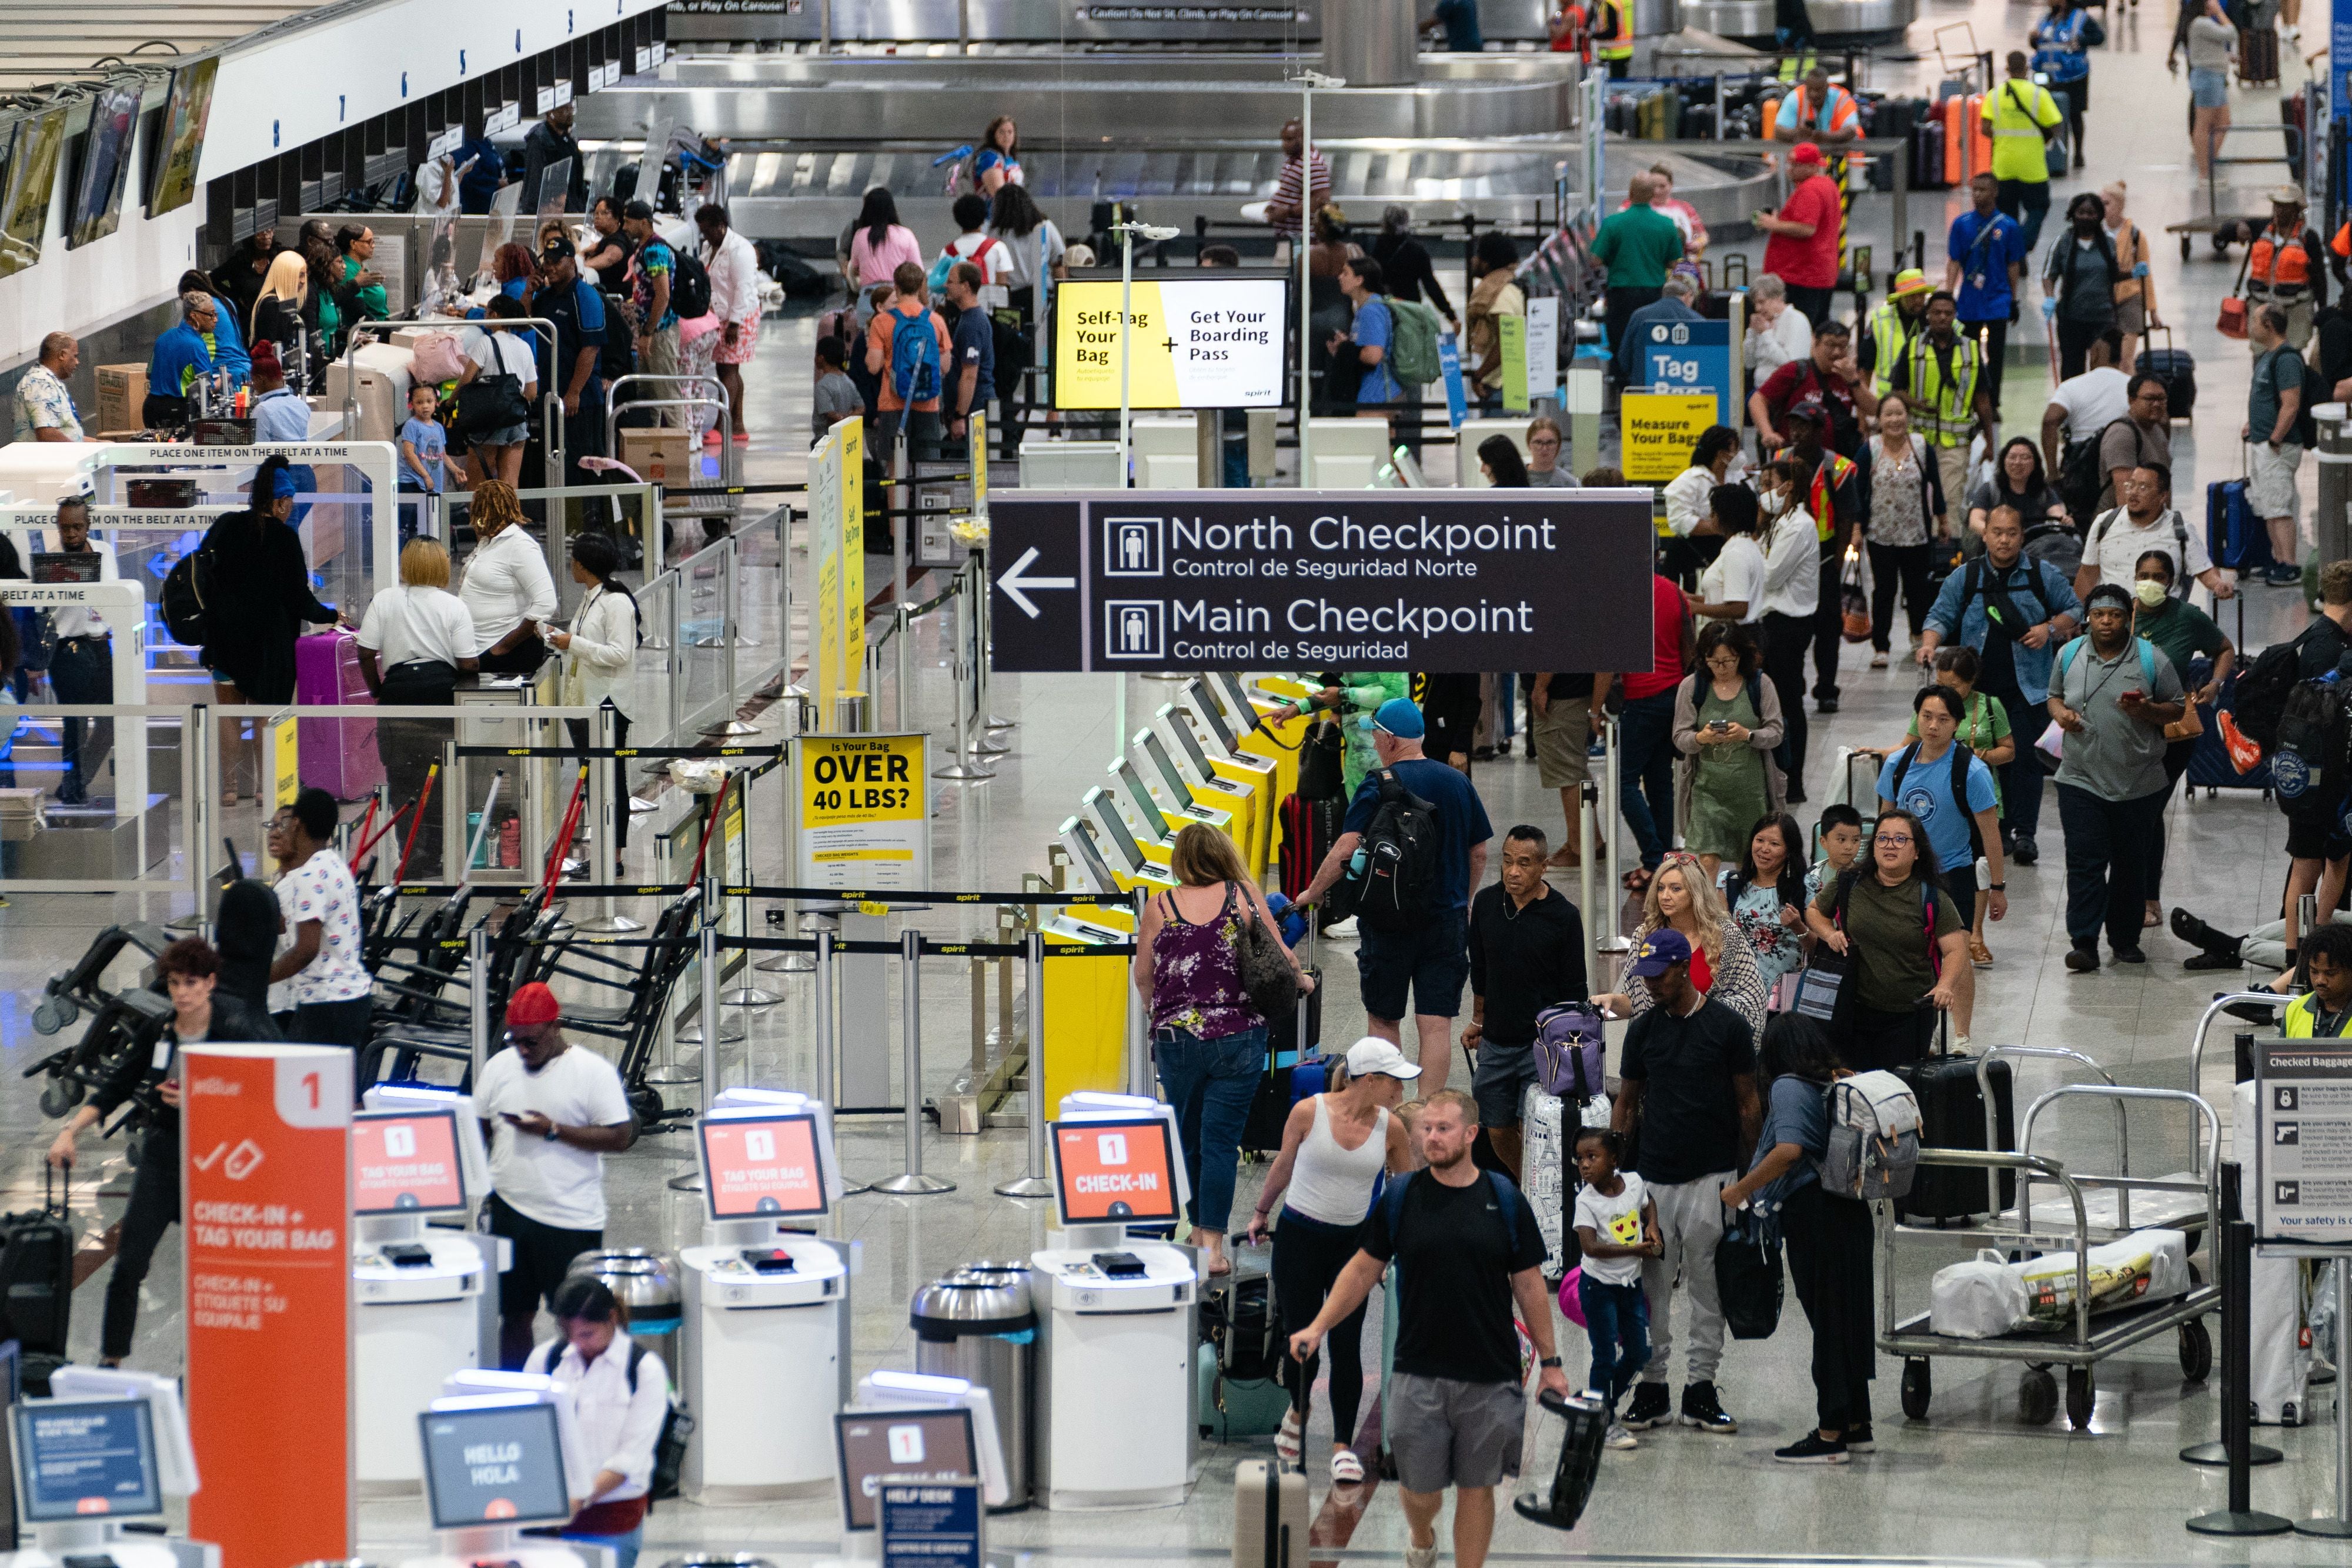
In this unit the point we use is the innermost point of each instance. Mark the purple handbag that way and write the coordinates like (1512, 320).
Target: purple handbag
(1569, 1051)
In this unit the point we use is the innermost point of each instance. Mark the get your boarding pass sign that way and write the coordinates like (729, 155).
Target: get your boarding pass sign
(2302, 1157)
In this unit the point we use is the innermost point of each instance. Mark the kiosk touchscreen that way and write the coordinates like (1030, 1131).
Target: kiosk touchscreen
(763, 1166)
(79, 1460)
(1114, 1172)
(494, 1462)
(406, 1161)
(176, 1453)
(922, 1445)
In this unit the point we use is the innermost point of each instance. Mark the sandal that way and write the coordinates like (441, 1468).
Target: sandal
(1289, 1439)
(2153, 917)
(1346, 1468)
(1637, 880)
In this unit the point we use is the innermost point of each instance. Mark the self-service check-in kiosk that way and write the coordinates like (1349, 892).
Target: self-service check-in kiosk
(766, 1308)
(419, 1290)
(1207, 799)
(1116, 1391)
(89, 1462)
(930, 1436)
(1210, 742)
(1157, 821)
(496, 1464)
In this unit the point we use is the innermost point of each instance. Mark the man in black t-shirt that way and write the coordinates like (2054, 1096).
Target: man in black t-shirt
(1526, 954)
(1688, 1083)
(971, 380)
(1466, 1247)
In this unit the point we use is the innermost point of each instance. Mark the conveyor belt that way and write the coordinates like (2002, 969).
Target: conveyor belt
(1833, 20)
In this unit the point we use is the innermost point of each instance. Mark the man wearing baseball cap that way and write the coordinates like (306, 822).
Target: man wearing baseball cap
(1689, 1081)
(1807, 234)
(577, 310)
(1888, 330)
(551, 1114)
(1413, 920)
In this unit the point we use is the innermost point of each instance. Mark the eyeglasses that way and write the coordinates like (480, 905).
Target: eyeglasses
(1893, 841)
(1543, 441)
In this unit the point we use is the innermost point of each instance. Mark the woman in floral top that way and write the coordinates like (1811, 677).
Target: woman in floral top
(1208, 1040)
(1723, 966)
(1766, 895)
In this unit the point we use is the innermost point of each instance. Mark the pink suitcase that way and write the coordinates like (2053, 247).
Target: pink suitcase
(338, 755)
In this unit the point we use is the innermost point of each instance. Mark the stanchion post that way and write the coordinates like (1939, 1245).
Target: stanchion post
(1035, 1184)
(911, 1182)
(1586, 804)
(2338, 1527)
(1139, 1038)
(710, 966)
(477, 1000)
(826, 1041)
(1611, 816)
(904, 636)
(964, 767)
(2234, 1272)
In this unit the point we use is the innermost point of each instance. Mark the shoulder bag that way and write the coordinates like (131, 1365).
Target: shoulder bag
(492, 401)
(1265, 966)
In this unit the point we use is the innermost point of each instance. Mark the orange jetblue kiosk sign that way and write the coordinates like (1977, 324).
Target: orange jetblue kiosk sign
(267, 1204)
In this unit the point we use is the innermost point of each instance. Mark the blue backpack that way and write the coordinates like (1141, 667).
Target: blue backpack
(914, 358)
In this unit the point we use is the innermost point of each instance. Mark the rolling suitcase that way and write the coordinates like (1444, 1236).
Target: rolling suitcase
(2176, 367)
(1309, 829)
(1278, 1092)
(2258, 56)
(2235, 538)
(2209, 766)
(1928, 157)
(1951, 1116)
(338, 755)
(1235, 1407)
(36, 1248)
(1269, 1515)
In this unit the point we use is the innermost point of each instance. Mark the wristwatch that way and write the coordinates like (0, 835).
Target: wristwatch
(551, 1130)
(1996, 886)
(1548, 1361)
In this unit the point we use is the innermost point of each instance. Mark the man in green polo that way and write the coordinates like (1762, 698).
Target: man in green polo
(1637, 244)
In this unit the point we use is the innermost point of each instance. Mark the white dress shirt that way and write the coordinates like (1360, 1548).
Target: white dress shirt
(79, 620)
(1687, 496)
(1738, 575)
(734, 270)
(506, 584)
(617, 1426)
(408, 624)
(1792, 579)
(602, 661)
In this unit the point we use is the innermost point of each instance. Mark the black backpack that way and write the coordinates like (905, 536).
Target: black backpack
(689, 287)
(1241, 1322)
(1398, 884)
(2259, 700)
(187, 591)
(2307, 760)
(2079, 478)
(1961, 758)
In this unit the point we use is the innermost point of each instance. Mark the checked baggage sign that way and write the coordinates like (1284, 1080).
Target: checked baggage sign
(1449, 582)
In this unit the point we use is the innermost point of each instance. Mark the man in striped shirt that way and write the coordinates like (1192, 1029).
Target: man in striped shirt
(1285, 211)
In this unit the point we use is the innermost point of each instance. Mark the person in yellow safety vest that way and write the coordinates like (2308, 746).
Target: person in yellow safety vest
(1613, 35)
(2284, 267)
(1937, 378)
(2324, 1011)
(2022, 117)
(1819, 112)
(1888, 330)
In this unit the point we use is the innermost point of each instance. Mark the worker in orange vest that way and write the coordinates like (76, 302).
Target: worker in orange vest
(2287, 267)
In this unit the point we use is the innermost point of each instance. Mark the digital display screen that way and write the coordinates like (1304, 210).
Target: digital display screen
(1210, 714)
(1146, 810)
(911, 1444)
(68, 566)
(105, 166)
(406, 1161)
(501, 1465)
(39, 145)
(1080, 840)
(1114, 1171)
(87, 1458)
(1181, 728)
(753, 1166)
(190, 112)
(1106, 811)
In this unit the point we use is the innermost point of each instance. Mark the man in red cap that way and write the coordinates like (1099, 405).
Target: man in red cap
(551, 1114)
(1803, 250)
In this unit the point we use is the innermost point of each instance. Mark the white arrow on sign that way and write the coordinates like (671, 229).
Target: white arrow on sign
(1013, 582)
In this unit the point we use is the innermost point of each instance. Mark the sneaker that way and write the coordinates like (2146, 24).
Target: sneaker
(1618, 1438)
(1811, 1450)
(1878, 661)
(2082, 960)
(1343, 930)
(1420, 1556)
(2283, 576)
(1979, 954)
(1703, 1410)
(2026, 853)
(2130, 956)
(1857, 1439)
(1960, 1043)
(1826, 705)
(1651, 1408)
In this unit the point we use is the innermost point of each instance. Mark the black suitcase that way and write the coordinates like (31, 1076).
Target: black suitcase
(1262, 1133)
(2176, 367)
(36, 1249)
(1928, 156)
(1309, 829)
(2258, 56)
(1951, 1116)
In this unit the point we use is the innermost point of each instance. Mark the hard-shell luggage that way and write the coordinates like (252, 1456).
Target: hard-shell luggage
(1309, 829)
(1231, 1408)
(1957, 112)
(36, 1248)
(2176, 367)
(2238, 541)
(338, 755)
(2209, 766)
(1927, 170)
(1951, 1116)
(1289, 1039)
(2258, 56)
(1269, 1515)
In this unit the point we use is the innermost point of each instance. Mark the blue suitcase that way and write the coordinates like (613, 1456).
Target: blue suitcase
(2176, 367)
(2209, 767)
(2236, 538)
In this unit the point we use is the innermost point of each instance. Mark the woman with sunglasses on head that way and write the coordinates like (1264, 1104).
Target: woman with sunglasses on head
(1722, 966)
(1904, 944)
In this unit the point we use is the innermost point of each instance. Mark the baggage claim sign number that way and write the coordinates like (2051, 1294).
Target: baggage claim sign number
(1450, 582)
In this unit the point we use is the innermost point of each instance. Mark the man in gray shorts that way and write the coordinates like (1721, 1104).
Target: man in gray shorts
(1526, 954)
(1466, 1247)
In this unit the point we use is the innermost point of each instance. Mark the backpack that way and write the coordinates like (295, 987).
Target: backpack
(2262, 690)
(936, 280)
(618, 357)
(689, 286)
(1873, 1140)
(1568, 1051)
(2307, 758)
(1961, 758)
(914, 358)
(2056, 544)
(1998, 602)
(1243, 1325)
(187, 592)
(435, 358)
(1412, 343)
(1401, 850)
(2079, 479)
(1782, 754)
(669, 1448)
(2181, 580)
(1506, 1198)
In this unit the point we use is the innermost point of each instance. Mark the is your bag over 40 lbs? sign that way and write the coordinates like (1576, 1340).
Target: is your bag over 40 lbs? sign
(1455, 582)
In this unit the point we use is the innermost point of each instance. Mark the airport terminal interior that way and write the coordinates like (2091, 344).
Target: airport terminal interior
(1034, 775)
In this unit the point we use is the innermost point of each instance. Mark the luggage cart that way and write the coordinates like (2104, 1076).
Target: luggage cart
(2224, 227)
(2090, 1338)
(2176, 1201)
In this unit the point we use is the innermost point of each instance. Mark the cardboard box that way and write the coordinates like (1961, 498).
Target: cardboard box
(20, 815)
(121, 394)
(664, 456)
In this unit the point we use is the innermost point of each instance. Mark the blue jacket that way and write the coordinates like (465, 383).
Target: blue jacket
(181, 349)
(2026, 580)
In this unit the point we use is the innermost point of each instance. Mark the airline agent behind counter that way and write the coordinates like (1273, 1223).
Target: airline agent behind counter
(620, 1395)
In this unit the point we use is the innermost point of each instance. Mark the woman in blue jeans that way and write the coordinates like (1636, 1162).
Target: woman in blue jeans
(1207, 1039)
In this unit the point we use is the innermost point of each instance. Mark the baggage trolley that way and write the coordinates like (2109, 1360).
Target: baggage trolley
(2090, 1338)
(2175, 1201)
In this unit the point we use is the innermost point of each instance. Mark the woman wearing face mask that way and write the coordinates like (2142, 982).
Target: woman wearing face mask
(2183, 631)
(2078, 282)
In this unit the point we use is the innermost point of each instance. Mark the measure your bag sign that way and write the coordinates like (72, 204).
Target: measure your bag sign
(1448, 583)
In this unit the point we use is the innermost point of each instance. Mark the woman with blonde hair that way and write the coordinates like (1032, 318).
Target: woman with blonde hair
(2135, 290)
(413, 644)
(1723, 966)
(277, 310)
(1208, 1038)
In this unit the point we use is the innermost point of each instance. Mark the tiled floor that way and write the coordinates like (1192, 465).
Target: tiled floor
(1971, 1482)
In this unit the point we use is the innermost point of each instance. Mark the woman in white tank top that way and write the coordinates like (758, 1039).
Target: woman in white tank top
(1335, 1147)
